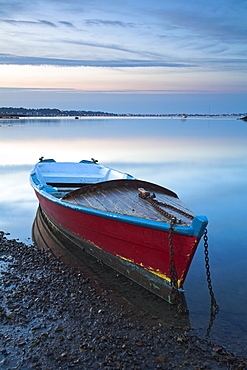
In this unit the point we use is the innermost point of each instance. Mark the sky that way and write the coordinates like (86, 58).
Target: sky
(124, 56)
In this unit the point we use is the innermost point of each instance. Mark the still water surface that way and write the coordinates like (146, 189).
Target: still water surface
(204, 160)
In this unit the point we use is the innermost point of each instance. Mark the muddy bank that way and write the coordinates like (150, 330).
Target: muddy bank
(55, 317)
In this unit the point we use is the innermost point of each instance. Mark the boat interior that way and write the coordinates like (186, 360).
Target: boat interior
(66, 176)
(134, 198)
(92, 185)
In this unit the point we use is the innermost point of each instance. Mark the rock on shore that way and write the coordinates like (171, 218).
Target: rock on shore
(54, 317)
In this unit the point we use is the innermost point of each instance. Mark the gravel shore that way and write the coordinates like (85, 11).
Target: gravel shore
(57, 317)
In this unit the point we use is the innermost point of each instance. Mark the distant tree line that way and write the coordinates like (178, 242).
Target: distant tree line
(48, 112)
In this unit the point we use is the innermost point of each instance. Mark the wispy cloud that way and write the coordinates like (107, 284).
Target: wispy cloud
(23, 60)
(232, 64)
(47, 23)
(116, 23)
(119, 91)
(114, 47)
(24, 22)
(67, 24)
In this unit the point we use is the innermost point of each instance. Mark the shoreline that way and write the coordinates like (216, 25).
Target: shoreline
(53, 316)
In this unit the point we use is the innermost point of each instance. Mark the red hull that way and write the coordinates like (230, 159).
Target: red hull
(142, 246)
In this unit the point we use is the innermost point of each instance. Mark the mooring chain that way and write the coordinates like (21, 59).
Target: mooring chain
(156, 204)
(175, 296)
(172, 208)
(173, 271)
(144, 194)
(214, 308)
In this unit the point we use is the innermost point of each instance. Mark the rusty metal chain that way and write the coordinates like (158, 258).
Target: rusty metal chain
(173, 271)
(156, 204)
(173, 208)
(214, 308)
(151, 201)
(175, 295)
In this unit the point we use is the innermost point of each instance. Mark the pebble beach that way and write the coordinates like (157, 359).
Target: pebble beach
(53, 316)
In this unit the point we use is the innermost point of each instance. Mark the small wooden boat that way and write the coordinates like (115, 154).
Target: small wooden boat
(138, 228)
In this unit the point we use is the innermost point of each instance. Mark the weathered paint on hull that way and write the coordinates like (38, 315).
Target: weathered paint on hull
(47, 234)
(144, 248)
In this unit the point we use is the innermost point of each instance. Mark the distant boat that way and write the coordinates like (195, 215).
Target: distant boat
(140, 229)
(244, 118)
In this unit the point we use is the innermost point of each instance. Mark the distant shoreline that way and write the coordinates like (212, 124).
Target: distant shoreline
(13, 116)
(15, 113)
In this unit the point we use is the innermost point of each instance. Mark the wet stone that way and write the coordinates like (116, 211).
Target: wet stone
(56, 317)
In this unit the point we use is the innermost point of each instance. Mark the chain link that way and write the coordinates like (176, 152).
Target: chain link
(156, 204)
(175, 295)
(214, 308)
(169, 206)
(173, 271)
(153, 203)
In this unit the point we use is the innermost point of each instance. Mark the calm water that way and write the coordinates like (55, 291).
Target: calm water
(204, 160)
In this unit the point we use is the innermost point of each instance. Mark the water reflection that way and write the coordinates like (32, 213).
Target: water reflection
(17, 203)
(132, 141)
(203, 160)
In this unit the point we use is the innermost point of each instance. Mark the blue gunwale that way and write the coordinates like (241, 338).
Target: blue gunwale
(196, 228)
